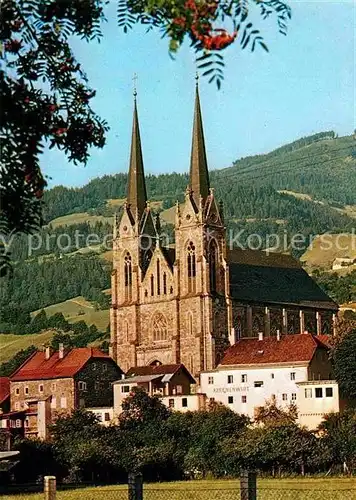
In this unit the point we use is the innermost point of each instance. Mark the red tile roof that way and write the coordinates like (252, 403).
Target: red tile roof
(37, 367)
(4, 388)
(289, 349)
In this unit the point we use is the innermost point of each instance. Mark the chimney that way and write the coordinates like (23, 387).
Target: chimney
(260, 336)
(48, 352)
(278, 335)
(61, 351)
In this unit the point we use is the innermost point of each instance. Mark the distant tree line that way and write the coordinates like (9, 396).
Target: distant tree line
(35, 284)
(340, 288)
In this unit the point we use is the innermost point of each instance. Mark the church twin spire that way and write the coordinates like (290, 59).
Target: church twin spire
(199, 176)
(136, 193)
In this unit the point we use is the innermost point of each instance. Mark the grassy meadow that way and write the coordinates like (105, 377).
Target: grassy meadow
(268, 489)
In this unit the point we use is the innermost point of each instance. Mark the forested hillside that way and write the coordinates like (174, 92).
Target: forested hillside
(323, 166)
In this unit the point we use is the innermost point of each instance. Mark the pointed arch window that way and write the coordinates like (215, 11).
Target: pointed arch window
(213, 260)
(158, 277)
(128, 276)
(152, 285)
(256, 326)
(191, 261)
(164, 284)
(159, 327)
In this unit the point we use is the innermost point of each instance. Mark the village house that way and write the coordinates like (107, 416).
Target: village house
(11, 422)
(52, 383)
(173, 383)
(288, 369)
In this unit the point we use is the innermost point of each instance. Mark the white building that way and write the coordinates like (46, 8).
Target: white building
(173, 383)
(254, 371)
(316, 399)
(105, 414)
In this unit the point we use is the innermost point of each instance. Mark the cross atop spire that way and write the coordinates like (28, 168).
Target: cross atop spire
(199, 176)
(137, 195)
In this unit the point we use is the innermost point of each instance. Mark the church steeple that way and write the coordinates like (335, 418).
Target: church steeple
(137, 195)
(199, 176)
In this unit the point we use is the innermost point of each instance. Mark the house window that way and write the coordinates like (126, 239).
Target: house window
(179, 389)
(125, 388)
(27, 423)
(230, 379)
(82, 386)
(292, 376)
(107, 417)
(230, 400)
(258, 383)
(17, 406)
(318, 392)
(93, 366)
(272, 375)
(105, 367)
(294, 396)
(97, 385)
(53, 402)
(184, 402)
(40, 388)
(284, 397)
(18, 423)
(53, 386)
(26, 390)
(171, 403)
(210, 380)
(243, 399)
(329, 392)
(308, 393)
(63, 402)
(17, 391)
(244, 378)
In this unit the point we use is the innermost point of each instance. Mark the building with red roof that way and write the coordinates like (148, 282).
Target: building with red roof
(51, 383)
(4, 394)
(287, 369)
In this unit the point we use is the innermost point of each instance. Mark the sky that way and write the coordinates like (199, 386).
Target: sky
(305, 84)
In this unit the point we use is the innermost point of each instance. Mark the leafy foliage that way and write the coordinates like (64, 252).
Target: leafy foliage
(45, 100)
(211, 26)
(344, 358)
(166, 445)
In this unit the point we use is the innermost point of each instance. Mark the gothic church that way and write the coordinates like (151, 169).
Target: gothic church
(187, 304)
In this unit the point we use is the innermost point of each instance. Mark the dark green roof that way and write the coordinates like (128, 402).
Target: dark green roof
(275, 278)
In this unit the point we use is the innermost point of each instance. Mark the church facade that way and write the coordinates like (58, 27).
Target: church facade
(186, 304)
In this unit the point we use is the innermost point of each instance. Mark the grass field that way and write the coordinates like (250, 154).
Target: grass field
(79, 309)
(324, 249)
(76, 309)
(11, 344)
(78, 218)
(268, 489)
